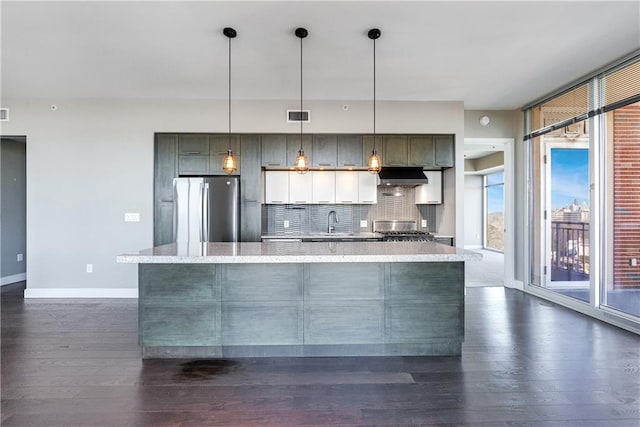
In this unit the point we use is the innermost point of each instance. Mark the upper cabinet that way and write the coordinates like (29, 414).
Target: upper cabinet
(218, 146)
(350, 153)
(193, 154)
(293, 146)
(274, 151)
(324, 187)
(325, 151)
(395, 150)
(431, 192)
(444, 150)
(421, 150)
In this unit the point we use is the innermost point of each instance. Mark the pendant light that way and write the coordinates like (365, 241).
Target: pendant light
(302, 162)
(229, 164)
(374, 165)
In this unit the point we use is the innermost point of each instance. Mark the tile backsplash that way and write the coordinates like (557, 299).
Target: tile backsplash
(393, 203)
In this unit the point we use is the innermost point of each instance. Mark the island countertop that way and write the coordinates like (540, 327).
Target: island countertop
(298, 252)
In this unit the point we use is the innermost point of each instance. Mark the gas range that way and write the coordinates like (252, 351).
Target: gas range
(401, 231)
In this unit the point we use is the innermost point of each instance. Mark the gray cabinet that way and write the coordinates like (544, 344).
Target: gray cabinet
(250, 189)
(274, 150)
(325, 151)
(218, 146)
(165, 169)
(350, 153)
(367, 147)
(293, 146)
(193, 154)
(395, 150)
(444, 150)
(421, 150)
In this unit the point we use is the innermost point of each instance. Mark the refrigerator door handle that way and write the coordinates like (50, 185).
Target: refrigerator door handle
(204, 200)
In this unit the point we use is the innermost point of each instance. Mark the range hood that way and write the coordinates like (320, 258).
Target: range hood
(407, 176)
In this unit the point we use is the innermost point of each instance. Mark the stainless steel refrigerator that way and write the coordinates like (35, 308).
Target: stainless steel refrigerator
(206, 209)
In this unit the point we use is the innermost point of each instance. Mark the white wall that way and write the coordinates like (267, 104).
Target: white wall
(90, 161)
(473, 227)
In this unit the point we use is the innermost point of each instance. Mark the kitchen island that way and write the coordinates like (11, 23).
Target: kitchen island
(300, 299)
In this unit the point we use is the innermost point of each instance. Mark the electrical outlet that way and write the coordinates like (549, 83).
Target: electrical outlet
(89, 268)
(132, 217)
(286, 224)
(633, 262)
(363, 223)
(423, 223)
(20, 257)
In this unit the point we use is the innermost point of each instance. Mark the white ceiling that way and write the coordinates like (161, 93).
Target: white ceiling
(491, 55)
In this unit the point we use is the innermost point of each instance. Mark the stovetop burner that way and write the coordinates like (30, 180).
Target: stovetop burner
(400, 230)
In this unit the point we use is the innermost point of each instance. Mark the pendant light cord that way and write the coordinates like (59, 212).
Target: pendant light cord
(301, 114)
(374, 95)
(229, 109)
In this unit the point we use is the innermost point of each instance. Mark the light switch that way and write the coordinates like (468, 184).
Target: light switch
(89, 268)
(20, 257)
(633, 262)
(286, 223)
(424, 223)
(132, 217)
(363, 223)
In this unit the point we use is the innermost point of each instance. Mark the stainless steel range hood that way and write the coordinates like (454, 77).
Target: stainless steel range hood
(406, 176)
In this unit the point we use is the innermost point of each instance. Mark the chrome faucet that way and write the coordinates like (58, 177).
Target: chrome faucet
(332, 228)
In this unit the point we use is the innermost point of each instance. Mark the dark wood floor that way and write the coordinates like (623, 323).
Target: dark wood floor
(525, 362)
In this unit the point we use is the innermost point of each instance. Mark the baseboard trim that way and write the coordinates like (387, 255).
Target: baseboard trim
(516, 284)
(7, 280)
(80, 293)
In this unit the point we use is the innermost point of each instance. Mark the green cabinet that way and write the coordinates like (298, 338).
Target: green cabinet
(325, 150)
(218, 146)
(350, 152)
(250, 189)
(421, 150)
(274, 151)
(193, 154)
(395, 150)
(444, 149)
(293, 146)
(165, 169)
(367, 148)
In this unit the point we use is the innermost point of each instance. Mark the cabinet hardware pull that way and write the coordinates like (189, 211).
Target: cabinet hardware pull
(347, 201)
(300, 201)
(348, 164)
(274, 164)
(191, 152)
(324, 164)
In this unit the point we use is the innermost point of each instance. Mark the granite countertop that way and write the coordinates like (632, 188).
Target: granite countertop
(298, 252)
(320, 235)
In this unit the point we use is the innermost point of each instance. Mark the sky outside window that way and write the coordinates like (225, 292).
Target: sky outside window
(569, 176)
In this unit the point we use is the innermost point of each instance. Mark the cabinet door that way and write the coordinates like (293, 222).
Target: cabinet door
(165, 169)
(367, 187)
(218, 145)
(421, 150)
(395, 150)
(250, 191)
(350, 153)
(274, 150)
(193, 165)
(325, 151)
(430, 193)
(300, 187)
(293, 145)
(324, 187)
(347, 184)
(193, 145)
(193, 151)
(367, 147)
(444, 150)
(276, 187)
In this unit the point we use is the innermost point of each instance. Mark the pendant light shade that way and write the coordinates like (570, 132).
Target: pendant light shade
(374, 165)
(229, 163)
(302, 162)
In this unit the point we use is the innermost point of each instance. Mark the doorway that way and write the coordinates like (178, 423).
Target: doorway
(566, 218)
(13, 207)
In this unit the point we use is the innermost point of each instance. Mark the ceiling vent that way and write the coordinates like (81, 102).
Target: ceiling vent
(297, 116)
(4, 114)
